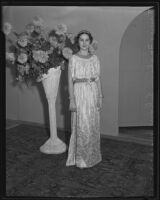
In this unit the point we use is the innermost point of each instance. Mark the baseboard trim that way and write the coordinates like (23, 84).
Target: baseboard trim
(136, 127)
(30, 123)
(125, 138)
(119, 137)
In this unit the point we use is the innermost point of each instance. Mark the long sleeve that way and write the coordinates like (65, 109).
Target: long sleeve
(99, 79)
(70, 80)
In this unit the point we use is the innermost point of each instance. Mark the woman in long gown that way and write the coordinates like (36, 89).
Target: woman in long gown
(85, 103)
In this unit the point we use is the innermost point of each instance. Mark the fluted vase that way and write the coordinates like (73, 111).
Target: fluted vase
(50, 83)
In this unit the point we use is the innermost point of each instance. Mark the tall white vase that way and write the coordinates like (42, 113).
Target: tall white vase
(50, 83)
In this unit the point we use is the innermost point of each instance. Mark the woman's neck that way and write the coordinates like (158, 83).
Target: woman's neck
(84, 52)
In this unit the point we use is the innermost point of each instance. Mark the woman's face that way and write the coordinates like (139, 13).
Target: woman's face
(84, 42)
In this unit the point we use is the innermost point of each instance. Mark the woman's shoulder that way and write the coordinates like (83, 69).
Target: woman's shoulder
(73, 57)
(96, 57)
(89, 57)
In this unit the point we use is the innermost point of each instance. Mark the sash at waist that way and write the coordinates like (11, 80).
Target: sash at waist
(83, 80)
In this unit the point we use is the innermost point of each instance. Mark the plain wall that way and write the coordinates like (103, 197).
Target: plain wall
(108, 25)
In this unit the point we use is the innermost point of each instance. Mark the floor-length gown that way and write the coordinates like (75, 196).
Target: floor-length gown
(84, 147)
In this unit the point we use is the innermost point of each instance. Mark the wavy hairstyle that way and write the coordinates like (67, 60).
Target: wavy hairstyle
(81, 33)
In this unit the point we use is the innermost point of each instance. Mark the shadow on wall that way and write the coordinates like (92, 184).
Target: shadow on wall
(44, 101)
(64, 102)
(12, 69)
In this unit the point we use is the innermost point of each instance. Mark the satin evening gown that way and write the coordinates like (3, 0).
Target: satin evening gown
(84, 147)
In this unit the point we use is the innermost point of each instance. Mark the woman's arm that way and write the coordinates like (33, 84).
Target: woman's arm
(72, 106)
(99, 86)
(70, 82)
(100, 94)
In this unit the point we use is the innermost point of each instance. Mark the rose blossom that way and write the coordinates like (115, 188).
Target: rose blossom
(37, 21)
(61, 29)
(21, 69)
(19, 78)
(10, 57)
(22, 40)
(27, 67)
(29, 28)
(53, 41)
(22, 58)
(50, 50)
(37, 29)
(61, 46)
(40, 56)
(93, 47)
(71, 37)
(94, 44)
(62, 38)
(7, 28)
(67, 52)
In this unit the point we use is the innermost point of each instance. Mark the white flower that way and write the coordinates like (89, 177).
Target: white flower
(67, 52)
(21, 69)
(29, 28)
(7, 28)
(22, 58)
(37, 21)
(61, 29)
(71, 37)
(53, 41)
(27, 67)
(10, 57)
(50, 50)
(94, 44)
(44, 34)
(19, 78)
(62, 38)
(37, 29)
(22, 40)
(93, 47)
(40, 56)
(61, 46)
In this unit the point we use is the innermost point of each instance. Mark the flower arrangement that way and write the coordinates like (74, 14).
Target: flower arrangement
(36, 49)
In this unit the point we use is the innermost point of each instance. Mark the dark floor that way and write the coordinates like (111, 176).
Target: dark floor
(125, 171)
(142, 132)
(11, 124)
(141, 135)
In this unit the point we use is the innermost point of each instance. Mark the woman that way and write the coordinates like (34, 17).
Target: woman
(85, 103)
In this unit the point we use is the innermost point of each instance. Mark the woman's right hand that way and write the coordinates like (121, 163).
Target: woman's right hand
(72, 106)
(99, 103)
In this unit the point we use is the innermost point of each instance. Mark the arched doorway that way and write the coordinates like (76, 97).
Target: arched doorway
(136, 77)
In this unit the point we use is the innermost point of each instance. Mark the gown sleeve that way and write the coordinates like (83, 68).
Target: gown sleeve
(97, 68)
(71, 66)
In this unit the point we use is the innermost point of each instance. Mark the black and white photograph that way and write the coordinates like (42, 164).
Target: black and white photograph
(80, 113)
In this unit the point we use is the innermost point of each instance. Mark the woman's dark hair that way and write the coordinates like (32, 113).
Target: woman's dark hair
(81, 33)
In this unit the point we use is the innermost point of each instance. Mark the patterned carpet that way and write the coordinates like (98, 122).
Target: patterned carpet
(125, 171)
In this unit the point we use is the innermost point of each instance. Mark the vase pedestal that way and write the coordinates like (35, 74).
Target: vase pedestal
(50, 83)
(53, 146)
